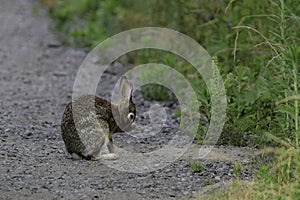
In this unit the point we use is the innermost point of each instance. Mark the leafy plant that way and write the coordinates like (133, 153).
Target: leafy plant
(195, 166)
(209, 181)
(85, 23)
(236, 169)
(280, 181)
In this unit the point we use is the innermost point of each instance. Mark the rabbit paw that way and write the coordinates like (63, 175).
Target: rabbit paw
(95, 158)
(109, 156)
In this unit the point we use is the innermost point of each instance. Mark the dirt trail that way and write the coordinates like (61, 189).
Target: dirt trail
(36, 82)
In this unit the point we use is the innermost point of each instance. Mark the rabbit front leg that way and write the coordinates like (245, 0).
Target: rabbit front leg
(110, 145)
(112, 153)
(109, 156)
(97, 155)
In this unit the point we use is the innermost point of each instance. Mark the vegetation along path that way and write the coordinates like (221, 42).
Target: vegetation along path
(36, 79)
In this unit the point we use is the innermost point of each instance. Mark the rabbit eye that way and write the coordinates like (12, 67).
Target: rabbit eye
(130, 116)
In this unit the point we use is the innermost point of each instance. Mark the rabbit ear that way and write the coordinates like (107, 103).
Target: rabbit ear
(126, 88)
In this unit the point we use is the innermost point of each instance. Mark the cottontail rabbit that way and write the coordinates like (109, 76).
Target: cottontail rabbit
(96, 120)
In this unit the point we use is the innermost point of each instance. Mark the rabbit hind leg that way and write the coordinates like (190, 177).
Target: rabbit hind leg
(95, 158)
(96, 155)
(76, 156)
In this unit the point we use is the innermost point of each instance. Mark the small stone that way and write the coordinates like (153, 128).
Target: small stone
(168, 170)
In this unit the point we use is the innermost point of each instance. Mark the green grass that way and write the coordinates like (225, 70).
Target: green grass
(236, 169)
(196, 167)
(209, 182)
(281, 181)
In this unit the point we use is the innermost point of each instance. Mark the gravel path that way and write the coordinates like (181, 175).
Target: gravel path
(36, 80)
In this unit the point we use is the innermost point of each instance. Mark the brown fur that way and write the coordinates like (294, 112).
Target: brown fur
(96, 121)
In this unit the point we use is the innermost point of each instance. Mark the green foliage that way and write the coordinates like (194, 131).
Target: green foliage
(280, 181)
(166, 58)
(209, 181)
(254, 90)
(87, 22)
(236, 169)
(195, 166)
(256, 45)
(155, 91)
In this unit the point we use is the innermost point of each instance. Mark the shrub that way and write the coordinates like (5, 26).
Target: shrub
(255, 44)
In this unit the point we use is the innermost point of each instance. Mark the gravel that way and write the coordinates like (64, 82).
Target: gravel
(36, 80)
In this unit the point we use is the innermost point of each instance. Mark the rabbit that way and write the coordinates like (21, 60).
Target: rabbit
(96, 121)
